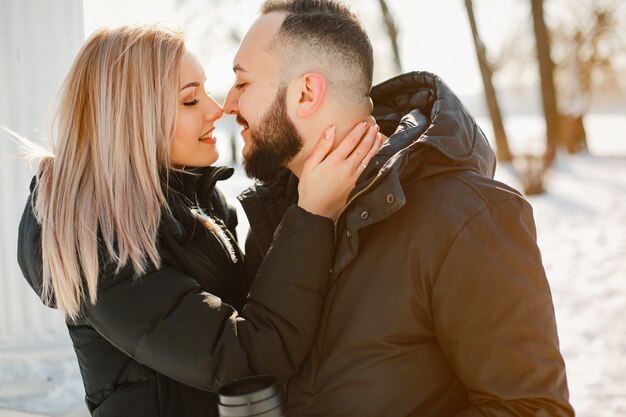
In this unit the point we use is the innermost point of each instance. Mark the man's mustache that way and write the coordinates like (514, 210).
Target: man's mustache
(241, 121)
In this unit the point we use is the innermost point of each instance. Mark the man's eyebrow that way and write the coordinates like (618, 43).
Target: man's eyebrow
(238, 67)
(193, 84)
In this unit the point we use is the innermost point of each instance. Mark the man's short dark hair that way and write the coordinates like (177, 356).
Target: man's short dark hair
(326, 28)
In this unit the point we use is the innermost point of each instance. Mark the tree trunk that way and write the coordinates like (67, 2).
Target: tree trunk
(573, 133)
(392, 33)
(502, 146)
(546, 71)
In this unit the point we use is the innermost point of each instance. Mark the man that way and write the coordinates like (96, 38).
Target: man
(438, 303)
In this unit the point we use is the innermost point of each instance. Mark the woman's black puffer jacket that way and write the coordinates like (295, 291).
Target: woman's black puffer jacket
(163, 343)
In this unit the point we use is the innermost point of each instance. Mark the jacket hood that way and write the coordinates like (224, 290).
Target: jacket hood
(426, 121)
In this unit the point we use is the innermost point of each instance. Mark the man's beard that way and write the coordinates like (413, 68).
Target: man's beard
(273, 143)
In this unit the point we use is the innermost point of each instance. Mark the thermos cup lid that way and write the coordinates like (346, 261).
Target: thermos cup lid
(248, 390)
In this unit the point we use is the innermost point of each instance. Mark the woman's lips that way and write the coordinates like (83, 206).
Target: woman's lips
(209, 140)
(208, 137)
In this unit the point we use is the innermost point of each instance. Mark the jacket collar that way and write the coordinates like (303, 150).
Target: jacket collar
(425, 121)
(266, 202)
(187, 189)
(195, 184)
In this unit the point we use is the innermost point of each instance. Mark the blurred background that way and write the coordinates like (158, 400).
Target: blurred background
(545, 79)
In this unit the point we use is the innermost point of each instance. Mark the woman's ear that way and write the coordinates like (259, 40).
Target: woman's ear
(312, 94)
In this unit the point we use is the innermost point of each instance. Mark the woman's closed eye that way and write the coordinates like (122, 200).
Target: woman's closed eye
(191, 103)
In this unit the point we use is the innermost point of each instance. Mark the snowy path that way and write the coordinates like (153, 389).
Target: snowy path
(581, 224)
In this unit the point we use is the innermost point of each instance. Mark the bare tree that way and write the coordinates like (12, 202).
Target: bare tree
(590, 42)
(546, 72)
(588, 50)
(393, 33)
(502, 147)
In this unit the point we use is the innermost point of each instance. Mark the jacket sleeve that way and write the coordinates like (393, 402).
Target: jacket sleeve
(494, 318)
(164, 320)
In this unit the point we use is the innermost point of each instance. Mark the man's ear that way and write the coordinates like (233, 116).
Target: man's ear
(312, 94)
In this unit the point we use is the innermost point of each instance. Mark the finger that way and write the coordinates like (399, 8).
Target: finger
(324, 145)
(378, 143)
(353, 138)
(364, 146)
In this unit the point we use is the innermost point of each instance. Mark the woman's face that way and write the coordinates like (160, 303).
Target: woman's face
(194, 140)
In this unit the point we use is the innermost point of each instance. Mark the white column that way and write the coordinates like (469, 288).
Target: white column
(38, 41)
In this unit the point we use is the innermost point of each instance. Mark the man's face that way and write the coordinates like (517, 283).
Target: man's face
(270, 138)
(273, 142)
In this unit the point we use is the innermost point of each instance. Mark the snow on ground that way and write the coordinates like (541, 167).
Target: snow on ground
(41, 381)
(581, 223)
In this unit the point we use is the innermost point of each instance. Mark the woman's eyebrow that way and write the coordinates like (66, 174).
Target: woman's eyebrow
(193, 84)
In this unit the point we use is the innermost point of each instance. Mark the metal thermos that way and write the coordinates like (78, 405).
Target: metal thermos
(258, 396)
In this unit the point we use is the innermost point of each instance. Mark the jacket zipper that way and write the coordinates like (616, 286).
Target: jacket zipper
(354, 197)
(336, 222)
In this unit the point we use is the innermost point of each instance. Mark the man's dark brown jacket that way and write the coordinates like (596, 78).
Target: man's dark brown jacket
(438, 302)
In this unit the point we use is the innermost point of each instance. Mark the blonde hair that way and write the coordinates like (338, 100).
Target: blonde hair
(112, 133)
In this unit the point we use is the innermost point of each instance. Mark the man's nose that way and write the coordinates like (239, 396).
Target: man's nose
(231, 102)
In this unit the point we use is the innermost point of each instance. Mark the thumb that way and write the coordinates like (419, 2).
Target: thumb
(323, 147)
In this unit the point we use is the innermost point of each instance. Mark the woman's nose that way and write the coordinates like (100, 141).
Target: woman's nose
(230, 104)
(214, 111)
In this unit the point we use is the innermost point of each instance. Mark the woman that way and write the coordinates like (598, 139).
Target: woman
(125, 233)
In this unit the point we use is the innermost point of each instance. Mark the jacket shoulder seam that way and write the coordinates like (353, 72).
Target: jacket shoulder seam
(511, 195)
